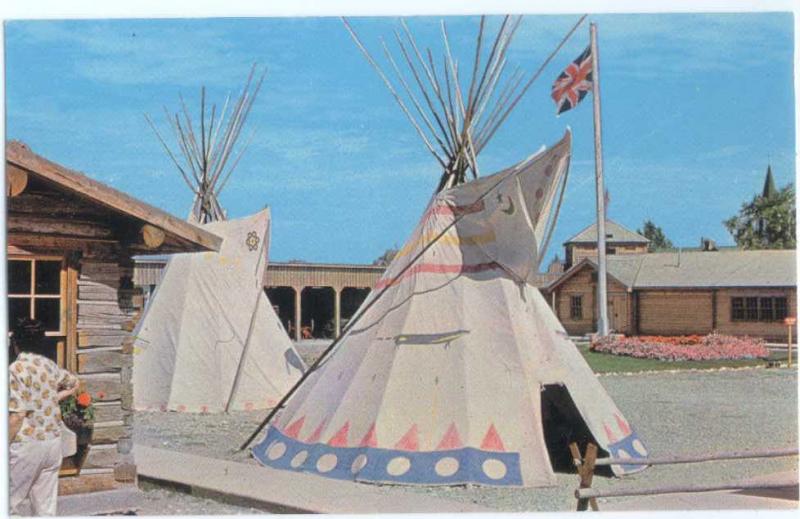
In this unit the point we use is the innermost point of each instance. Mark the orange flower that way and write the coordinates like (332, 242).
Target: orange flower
(84, 399)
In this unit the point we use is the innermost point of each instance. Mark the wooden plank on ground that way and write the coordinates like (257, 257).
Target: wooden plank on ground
(281, 490)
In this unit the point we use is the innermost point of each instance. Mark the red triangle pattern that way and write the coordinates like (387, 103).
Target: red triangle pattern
(492, 441)
(294, 429)
(314, 438)
(370, 439)
(409, 441)
(612, 438)
(623, 425)
(450, 440)
(340, 438)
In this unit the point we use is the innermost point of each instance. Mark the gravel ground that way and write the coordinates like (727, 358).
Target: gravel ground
(161, 501)
(675, 413)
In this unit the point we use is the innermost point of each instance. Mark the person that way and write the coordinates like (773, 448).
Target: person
(36, 386)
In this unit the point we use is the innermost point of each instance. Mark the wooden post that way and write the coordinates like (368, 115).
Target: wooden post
(789, 322)
(586, 472)
(298, 318)
(602, 293)
(337, 312)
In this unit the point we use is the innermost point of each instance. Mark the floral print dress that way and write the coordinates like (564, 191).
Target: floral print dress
(34, 382)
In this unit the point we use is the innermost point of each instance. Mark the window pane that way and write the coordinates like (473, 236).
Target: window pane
(48, 277)
(19, 277)
(737, 308)
(47, 348)
(751, 308)
(780, 308)
(49, 312)
(765, 313)
(18, 308)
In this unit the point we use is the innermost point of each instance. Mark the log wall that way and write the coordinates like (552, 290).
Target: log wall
(582, 284)
(100, 308)
(771, 330)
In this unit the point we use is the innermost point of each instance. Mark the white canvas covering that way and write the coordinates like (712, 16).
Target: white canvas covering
(209, 319)
(441, 381)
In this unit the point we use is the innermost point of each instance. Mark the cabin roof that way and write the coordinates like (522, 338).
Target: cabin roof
(186, 237)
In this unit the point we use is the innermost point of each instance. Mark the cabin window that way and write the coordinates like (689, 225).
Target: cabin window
(758, 308)
(737, 309)
(751, 308)
(781, 309)
(576, 307)
(35, 291)
(765, 310)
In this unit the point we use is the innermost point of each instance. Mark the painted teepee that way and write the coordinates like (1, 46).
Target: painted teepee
(210, 340)
(455, 370)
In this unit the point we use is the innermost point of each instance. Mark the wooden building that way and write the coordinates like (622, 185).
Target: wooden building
(734, 292)
(316, 294)
(619, 240)
(70, 243)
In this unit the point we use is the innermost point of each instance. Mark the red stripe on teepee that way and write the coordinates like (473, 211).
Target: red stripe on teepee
(492, 441)
(612, 438)
(623, 425)
(293, 431)
(370, 439)
(314, 438)
(340, 438)
(438, 268)
(409, 441)
(450, 440)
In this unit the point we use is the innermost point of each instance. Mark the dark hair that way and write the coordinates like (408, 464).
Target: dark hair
(26, 335)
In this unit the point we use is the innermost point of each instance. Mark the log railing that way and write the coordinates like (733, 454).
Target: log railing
(587, 496)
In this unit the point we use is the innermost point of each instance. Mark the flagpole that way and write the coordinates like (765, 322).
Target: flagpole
(602, 297)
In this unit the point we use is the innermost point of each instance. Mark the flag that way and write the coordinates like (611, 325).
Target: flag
(572, 85)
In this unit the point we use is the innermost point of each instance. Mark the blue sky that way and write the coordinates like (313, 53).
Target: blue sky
(693, 107)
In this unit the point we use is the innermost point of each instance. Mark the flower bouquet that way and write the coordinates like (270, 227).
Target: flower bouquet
(77, 412)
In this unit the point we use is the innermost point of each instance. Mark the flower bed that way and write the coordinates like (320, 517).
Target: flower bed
(687, 347)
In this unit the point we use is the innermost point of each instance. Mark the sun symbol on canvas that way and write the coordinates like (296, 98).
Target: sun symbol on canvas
(252, 240)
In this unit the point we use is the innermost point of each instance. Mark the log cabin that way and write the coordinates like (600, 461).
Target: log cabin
(70, 242)
(619, 240)
(731, 291)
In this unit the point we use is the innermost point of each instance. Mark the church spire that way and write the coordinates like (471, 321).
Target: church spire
(769, 184)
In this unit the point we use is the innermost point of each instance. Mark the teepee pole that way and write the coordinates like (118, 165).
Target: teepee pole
(362, 313)
(242, 359)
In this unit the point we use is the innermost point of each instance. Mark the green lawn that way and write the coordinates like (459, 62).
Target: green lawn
(607, 363)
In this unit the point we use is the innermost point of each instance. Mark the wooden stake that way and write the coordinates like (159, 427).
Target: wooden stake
(602, 295)
(585, 468)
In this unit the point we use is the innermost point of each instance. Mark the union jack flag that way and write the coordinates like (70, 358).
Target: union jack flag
(572, 85)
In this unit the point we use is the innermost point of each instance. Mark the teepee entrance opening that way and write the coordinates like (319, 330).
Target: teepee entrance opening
(563, 424)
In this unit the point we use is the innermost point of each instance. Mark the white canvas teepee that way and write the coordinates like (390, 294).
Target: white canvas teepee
(210, 340)
(440, 381)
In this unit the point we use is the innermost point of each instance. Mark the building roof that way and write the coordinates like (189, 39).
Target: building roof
(183, 235)
(710, 269)
(615, 233)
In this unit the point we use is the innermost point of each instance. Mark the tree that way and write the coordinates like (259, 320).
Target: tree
(654, 233)
(766, 222)
(385, 258)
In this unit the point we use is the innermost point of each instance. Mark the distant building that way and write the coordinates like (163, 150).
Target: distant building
(619, 240)
(732, 291)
